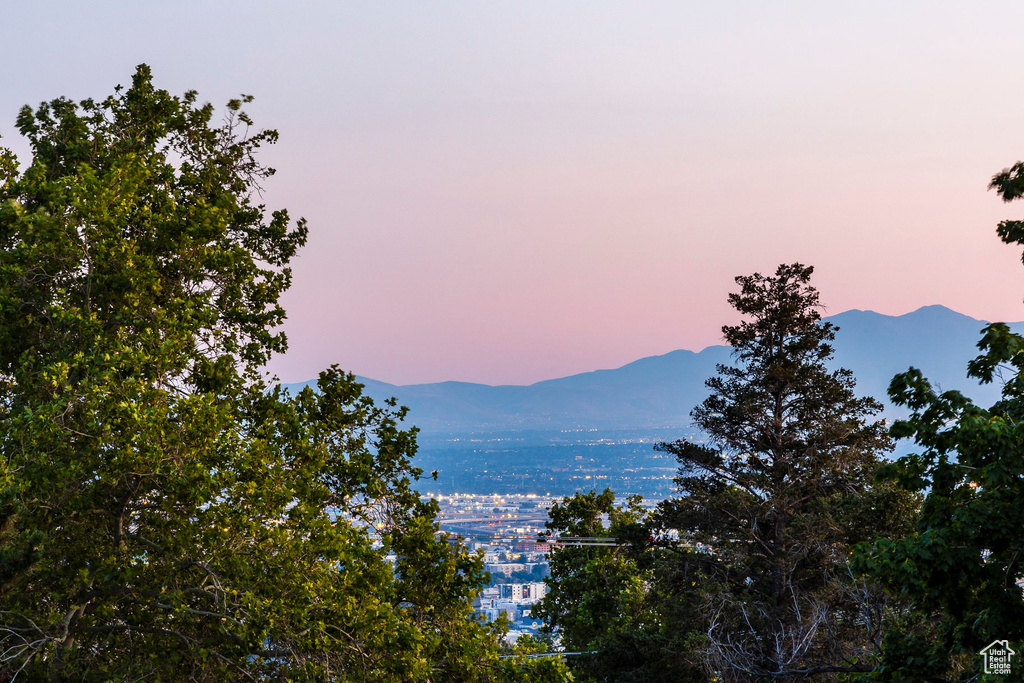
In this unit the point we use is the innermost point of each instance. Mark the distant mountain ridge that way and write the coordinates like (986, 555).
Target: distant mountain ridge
(660, 391)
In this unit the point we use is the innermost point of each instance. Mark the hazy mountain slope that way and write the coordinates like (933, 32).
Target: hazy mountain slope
(934, 339)
(651, 392)
(660, 391)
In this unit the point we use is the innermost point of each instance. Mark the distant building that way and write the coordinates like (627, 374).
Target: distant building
(523, 592)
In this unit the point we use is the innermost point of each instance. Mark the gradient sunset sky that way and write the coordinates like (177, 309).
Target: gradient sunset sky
(504, 192)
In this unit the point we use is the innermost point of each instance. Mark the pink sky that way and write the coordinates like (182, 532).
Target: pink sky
(513, 191)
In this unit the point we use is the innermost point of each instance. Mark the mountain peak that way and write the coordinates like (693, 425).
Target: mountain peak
(938, 310)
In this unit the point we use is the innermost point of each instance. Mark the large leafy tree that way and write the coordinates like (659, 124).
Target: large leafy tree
(165, 512)
(962, 566)
(772, 500)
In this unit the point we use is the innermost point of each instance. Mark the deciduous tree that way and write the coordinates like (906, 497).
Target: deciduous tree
(961, 567)
(166, 513)
(613, 599)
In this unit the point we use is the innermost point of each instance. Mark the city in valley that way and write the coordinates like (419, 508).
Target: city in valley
(494, 491)
(506, 529)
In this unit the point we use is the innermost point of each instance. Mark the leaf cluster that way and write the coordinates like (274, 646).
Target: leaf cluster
(611, 602)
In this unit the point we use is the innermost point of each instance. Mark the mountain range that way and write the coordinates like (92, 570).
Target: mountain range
(659, 391)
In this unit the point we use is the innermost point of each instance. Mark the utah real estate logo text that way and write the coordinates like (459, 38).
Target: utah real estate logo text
(997, 657)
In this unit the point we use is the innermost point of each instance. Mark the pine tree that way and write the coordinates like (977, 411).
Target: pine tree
(771, 502)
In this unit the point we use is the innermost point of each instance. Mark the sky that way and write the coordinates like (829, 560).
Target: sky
(506, 192)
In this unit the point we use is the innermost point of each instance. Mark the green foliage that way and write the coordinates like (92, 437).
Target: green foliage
(610, 602)
(165, 513)
(782, 488)
(961, 565)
